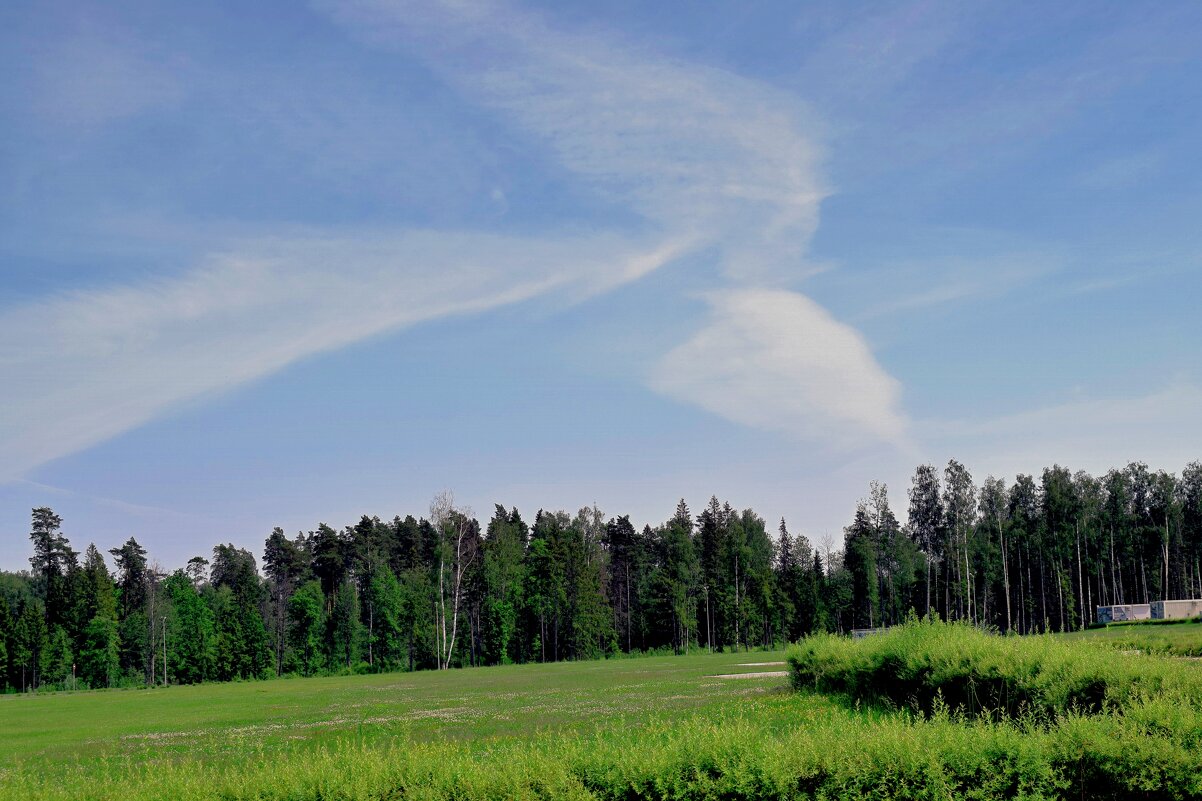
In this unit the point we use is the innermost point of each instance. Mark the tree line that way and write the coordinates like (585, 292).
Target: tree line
(443, 591)
(1035, 555)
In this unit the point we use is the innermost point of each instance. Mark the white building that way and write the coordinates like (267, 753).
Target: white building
(1121, 612)
(1157, 610)
(1176, 610)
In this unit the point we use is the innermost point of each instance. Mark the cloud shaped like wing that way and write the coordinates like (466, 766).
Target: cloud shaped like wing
(81, 368)
(776, 360)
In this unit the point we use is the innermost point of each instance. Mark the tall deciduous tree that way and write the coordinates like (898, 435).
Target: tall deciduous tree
(994, 515)
(960, 509)
(387, 635)
(192, 631)
(926, 523)
(458, 549)
(345, 630)
(306, 629)
(504, 575)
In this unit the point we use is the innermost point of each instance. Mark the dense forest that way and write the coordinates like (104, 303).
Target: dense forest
(443, 591)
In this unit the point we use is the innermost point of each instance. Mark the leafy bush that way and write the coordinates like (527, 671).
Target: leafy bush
(924, 663)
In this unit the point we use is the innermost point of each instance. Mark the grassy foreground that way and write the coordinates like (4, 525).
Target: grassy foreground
(216, 723)
(246, 739)
(928, 711)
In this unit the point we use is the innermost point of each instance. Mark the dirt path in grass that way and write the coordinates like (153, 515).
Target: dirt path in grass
(766, 674)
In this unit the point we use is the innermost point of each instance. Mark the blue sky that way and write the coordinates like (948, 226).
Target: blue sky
(291, 264)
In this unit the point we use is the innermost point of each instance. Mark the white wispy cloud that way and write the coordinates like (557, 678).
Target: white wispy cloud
(81, 368)
(694, 157)
(720, 160)
(694, 150)
(776, 360)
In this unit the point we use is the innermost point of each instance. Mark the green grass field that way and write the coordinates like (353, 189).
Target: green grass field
(62, 744)
(928, 710)
(215, 722)
(1166, 639)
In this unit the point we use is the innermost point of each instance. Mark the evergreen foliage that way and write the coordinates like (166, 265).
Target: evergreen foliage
(1036, 555)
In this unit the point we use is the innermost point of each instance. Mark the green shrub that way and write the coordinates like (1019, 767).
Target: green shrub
(922, 663)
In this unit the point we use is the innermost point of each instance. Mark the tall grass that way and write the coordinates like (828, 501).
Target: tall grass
(926, 663)
(839, 754)
(1104, 724)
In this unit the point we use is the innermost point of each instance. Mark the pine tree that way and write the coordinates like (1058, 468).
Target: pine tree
(52, 559)
(712, 546)
(860, 561)
(758, 615)
(242, 647)
(627, 564)
(285, 565)
(676, 582)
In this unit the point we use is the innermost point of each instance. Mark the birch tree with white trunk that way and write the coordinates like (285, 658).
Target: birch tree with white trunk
(457, 550)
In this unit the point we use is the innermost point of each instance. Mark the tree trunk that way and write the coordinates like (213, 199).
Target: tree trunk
(1022, 605)
(709, 622)
(1060, 589)
(1043, 594)
(737, 615)
(968, 581)
(442, 609)
(1116, 586)
(628, 605)
(928, 556)
(1080, 576)
(1164, 588)
(1005, 569)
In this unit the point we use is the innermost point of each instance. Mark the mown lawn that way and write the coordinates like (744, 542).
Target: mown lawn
(1166, 639)
(928, 710)
(225, 725)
